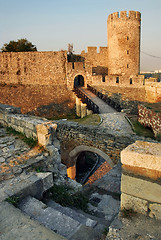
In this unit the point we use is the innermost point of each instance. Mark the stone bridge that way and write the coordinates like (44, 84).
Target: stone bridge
(75, 138)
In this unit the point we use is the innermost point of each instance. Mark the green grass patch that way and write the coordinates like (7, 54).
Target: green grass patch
(154, 107)
(13, 200)
(140, 130)
(62, 195)
(29, 141)
(93, 119)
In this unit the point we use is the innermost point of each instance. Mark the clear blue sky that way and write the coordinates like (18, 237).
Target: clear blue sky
(52, 24)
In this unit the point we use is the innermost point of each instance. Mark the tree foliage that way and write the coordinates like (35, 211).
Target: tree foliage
(21, 45)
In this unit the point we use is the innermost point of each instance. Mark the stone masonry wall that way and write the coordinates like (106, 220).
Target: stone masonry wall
(36, 82)
(33, 68)
(140, 182)
(124, 43)
(121, 98)
(72, 135)
(42, 100)
(150, 118)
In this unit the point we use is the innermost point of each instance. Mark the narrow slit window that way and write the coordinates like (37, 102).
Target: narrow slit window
(73, 65)
(103, 78)
(117, 79)
(127, 52)
(130, 80)
(127, 65)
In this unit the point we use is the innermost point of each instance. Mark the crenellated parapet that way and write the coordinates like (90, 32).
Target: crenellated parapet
(124, 15)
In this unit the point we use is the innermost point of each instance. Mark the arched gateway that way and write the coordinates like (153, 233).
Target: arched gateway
(78, 81)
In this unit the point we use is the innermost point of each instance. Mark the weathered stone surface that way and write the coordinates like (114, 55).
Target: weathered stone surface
(143, 155)
(139, 188)
(131, 202)
(15, 225)
(155, 210)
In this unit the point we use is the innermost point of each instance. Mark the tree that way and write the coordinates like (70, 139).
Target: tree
(21, 45)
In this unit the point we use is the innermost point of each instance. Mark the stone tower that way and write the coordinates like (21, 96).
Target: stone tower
(124, 43)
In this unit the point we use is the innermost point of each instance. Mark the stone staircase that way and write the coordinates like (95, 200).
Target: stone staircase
(62, 220)
(16, 225)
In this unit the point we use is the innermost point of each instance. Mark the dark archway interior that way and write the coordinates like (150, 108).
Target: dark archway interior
(79, 81)
(85, 163)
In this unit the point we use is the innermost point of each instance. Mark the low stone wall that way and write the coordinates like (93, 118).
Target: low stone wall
(150, 118)
(140, 182)
(120, 98)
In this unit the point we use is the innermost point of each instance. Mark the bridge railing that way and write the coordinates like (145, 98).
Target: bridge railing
(105, 98)
(85, 99)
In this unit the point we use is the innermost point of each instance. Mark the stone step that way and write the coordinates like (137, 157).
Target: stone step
(32, 183)
(73, 214)
(49, 217)
(15, 225)
(56, 220)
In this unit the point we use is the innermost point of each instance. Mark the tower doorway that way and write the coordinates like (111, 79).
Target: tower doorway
(78, 81)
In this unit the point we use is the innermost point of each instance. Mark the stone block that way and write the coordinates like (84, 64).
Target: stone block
(144, 156)
(47, 180)
(155, 210)
(134, 203)
(150, 191)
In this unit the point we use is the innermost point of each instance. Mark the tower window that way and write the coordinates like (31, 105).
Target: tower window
(127, 65)
(117, 79)
(73, 65)
(130, 80)
(103, 78)
(127, 52)
(127, 38)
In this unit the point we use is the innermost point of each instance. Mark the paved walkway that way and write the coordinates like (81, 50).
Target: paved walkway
(111, 119)
(103, 107)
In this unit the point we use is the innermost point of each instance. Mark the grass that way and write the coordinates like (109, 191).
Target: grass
(62, 195)
(140, 130)
(29, 141)
(155, 107)
(93, 119)
(13, 200)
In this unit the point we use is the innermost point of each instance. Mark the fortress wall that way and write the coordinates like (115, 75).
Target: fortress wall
(36, 82)
(33, 67)
(44, 100)
(94, 58)
(126, 93)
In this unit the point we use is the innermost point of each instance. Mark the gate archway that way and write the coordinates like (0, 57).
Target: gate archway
(78, 81)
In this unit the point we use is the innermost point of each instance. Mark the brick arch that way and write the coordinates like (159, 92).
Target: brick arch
(71, 171)
(83, 148)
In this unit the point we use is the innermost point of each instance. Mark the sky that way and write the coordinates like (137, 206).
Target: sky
(52, 24)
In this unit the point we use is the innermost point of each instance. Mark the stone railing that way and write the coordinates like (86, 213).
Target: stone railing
(105, 98)
(140, 183)
(90, 104)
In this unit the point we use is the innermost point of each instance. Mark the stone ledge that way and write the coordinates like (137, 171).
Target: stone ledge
(143, 156)
(140, 188)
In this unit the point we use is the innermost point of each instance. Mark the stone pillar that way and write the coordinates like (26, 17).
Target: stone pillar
(140, 182)
(71, 172)
(78, 107)
(83, 110)
(89, 112)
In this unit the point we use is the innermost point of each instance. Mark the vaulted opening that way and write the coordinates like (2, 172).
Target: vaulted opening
(78, 81)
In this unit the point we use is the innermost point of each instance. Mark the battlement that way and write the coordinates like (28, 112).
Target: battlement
(124, 15)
